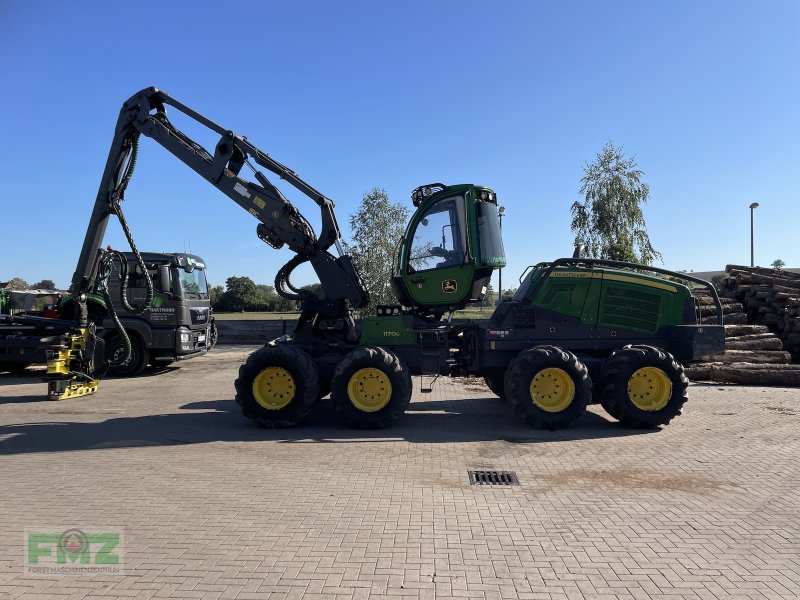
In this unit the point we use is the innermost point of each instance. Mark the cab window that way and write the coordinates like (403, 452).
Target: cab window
(136, 277)
(438, 240)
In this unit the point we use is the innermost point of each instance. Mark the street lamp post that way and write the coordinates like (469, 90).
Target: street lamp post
(753, 206)
(501, 210)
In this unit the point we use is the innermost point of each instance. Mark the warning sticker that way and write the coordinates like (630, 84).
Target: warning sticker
(241, 189)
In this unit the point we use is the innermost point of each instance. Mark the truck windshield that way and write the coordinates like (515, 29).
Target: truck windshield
(490, 242)
(193, 285)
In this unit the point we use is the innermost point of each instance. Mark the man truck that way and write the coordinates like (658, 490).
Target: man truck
(178, 324)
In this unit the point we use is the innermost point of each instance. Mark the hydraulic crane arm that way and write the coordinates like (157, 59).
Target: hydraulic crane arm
(280, 223)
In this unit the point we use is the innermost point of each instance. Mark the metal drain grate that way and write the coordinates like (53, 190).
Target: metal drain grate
(493, 478)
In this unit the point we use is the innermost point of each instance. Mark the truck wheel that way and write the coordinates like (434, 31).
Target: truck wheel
(494, 381)
(643, 386)
(214, 335)
(136, 363)
(371, 388)
(548, 387)
(277, 386)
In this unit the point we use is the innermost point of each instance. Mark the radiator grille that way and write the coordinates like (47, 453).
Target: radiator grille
(625, 307)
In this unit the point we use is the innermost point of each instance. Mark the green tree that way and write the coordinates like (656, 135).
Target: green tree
(18, 284)
(240, 293)
(491, 296)
(44, 284)
(316, 289)
(284, 304)
(215, 296)
(609, 220)
(778, 264)
(377, 227)
(265, 297)
(508, 293)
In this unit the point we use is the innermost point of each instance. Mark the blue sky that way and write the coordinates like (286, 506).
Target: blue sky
(353, 95)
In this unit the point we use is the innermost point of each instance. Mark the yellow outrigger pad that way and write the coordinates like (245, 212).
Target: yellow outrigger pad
(61, 389)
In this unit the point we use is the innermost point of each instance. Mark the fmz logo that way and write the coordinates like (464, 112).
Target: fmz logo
(74, 551)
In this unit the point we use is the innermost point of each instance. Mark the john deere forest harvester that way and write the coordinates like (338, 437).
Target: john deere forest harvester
(577, 329)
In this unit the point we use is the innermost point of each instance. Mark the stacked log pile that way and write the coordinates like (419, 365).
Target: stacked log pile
(755, 353)
(770, 297)
(732, 310)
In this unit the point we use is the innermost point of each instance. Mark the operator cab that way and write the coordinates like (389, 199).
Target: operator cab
(450, 248)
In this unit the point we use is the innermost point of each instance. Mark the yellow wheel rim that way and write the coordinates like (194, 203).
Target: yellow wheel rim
(369, 389)
(274, 388)
(649, 389)
(552, 389)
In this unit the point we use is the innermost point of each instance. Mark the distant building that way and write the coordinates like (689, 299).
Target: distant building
(25, 300)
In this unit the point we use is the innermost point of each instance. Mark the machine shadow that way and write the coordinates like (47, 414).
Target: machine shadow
(21, 378)
(37, 376)
(443, 421)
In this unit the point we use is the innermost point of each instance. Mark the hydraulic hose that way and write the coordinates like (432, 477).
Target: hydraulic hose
(106, 264)
(283, 281)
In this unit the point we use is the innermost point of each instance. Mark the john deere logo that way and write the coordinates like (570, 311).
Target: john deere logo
(449, 286)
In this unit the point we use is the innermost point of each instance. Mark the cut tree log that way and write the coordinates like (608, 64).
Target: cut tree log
(706, 299)
(770, 343)
(698, 371)
(753, 337)
(738, 318)
(732, 330)
(749, 374)
(749, 356)
(765, 343)
(727, 309)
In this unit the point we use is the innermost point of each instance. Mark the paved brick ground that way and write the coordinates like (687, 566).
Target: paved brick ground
(213, 507)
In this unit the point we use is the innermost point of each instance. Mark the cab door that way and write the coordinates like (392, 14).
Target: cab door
(439, 270)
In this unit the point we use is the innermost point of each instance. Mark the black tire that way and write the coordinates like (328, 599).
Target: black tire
(135, 364)
(277, 386)
(643, 386)
(371, 388)
(326, 366)
(609, 408)
(598, 398)
(548, 387)
(495, 381)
